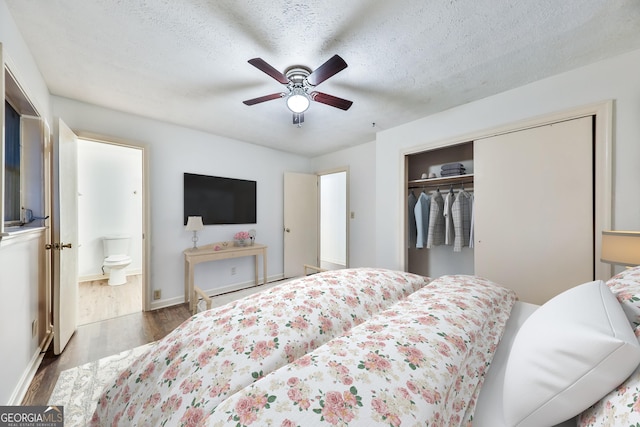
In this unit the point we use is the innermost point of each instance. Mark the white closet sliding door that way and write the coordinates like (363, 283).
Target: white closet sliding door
(534, 214)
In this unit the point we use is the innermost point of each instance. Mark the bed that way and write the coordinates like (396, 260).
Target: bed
(369, 346)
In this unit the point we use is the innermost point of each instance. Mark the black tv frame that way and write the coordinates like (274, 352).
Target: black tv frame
(219, 200)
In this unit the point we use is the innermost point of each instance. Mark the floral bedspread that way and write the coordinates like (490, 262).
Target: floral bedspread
(216, 353)
(420, 362)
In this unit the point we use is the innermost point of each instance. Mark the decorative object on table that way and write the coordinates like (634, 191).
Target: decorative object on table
(252, 236)
(621, 247)
(194, 223)
(241, 238)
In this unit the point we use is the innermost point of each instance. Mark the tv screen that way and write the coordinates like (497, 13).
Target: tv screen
(219, 200)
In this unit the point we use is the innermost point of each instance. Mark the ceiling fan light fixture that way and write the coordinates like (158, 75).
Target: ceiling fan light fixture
(298, 101)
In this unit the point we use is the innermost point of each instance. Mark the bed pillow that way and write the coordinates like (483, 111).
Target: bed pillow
(626, 287)
(621, 407)
(568, 354)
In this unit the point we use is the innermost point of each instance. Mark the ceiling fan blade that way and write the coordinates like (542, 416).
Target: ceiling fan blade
(298, 119)
(260, 99)
(261, 65)
(331, 100)
(333, 66)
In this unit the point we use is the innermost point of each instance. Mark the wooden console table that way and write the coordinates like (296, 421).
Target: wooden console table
(209, 253)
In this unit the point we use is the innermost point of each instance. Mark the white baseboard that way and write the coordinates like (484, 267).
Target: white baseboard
(163, 303)
(92, 277)
(29, 374)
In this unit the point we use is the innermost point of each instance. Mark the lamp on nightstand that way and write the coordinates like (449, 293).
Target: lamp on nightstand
(194, 223)
(621, 247)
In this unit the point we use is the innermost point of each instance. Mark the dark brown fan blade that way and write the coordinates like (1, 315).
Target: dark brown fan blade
(261, 65)
(333, 66)
(298, 119)
(264, 98)
(331, 100)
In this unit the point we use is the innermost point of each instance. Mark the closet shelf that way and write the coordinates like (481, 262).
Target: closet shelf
(438, 182)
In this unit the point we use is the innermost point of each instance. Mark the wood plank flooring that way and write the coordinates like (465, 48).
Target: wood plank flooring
(100, 339)
(98, 301)
(104, 338)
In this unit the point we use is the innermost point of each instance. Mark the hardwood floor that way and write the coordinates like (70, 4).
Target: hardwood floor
(100, 339)
(104, 338)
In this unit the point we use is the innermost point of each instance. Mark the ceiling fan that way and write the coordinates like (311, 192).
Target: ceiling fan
(300, 82)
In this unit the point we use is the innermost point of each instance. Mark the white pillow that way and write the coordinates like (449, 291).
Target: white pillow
(568, 354)
(618, 408)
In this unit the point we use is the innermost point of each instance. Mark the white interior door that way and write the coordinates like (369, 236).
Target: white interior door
(300, 222)
(65, 237)
(534, 211)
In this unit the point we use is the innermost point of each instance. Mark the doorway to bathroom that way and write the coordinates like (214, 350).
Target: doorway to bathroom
(111, 211)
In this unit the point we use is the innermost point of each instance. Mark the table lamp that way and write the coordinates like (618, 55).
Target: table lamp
(194, 223)
(621, 247)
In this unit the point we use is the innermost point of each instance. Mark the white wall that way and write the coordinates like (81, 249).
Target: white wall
(109, 202)
(362, 228)
(174, 150)
(20, 259)
(615, 78)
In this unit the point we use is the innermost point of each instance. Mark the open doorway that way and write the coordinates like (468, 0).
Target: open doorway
(110, 230)
(333, 220)
(316, 228)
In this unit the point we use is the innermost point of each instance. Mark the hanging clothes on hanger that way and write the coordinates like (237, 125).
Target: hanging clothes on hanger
(435, 235)
(461, 220)
(448, 217)
(422, 213)
(411, 230)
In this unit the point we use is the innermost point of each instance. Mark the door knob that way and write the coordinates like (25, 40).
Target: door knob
(287, 230)
(65, 245)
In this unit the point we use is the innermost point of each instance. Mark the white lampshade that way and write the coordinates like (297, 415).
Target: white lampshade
(621, 247)
(194, 223)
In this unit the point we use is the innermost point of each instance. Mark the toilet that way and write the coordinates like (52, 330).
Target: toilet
(116, 258)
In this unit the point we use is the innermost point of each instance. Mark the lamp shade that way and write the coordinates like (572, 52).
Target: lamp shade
(621, 247)
(194, 223)
(298, 101)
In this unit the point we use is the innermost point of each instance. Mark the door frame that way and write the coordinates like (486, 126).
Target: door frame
(146, 223)
(603, 142)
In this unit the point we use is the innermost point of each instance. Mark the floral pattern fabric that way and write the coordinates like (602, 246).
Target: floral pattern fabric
(420, 362)
(626, 287)
(216, 353)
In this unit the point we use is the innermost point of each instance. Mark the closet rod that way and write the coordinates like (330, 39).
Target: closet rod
(440, 184)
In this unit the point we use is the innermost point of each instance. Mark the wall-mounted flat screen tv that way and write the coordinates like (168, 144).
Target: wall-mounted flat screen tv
(219, 200)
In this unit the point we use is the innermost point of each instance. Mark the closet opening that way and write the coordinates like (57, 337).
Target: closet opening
(435, 179)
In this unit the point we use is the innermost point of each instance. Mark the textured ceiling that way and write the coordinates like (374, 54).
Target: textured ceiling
(185, 61)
